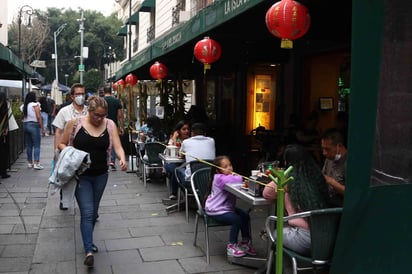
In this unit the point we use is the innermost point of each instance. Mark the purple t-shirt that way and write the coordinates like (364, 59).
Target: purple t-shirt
(219, 200)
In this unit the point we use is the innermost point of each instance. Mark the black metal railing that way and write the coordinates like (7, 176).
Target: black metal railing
(135, 44)
(176, 13)
(150, 33)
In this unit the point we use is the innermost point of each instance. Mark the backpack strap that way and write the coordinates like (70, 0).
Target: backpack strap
(76, 127)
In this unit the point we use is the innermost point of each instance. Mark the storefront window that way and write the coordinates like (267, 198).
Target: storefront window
(263, 102)
(392, 162)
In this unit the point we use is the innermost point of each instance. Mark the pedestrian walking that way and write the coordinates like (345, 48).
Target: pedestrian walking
(96, 135)
(115, 113)
(33, 129)
(76, 109)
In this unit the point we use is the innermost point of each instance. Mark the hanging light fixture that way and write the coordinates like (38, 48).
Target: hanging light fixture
(158, 71)
(131, 79)
(288, 20)
(207, 51)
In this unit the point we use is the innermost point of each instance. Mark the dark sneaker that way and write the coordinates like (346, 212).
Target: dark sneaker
(62, 207)
(89, 260)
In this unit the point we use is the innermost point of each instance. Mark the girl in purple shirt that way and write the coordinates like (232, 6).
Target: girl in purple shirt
(221, 205)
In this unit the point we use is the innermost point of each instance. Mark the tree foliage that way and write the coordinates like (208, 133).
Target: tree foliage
(99, 34)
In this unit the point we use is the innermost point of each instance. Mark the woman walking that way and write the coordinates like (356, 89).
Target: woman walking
(97, 135)
(33, 126)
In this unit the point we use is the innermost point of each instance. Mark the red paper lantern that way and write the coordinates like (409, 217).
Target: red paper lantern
(207, 51)
(121, 83)
(158, 71)
(131, 79)
(288, 20)
(114, 86)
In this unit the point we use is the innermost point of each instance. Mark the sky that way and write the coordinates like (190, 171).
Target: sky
(104, 6)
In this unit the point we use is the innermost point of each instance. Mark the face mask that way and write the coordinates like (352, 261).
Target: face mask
(48, 96)
(79, 100)
(337, 155)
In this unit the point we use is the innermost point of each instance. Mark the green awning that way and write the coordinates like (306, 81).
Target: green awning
(122, 31)
(134, 19)
(11, 66)
(206, 20)
(147, 6)
(139, 60)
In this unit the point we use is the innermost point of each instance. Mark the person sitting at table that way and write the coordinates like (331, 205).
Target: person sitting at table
(308, 191)
(221, 205)
(151, 131)
(334, 167)
(180, 132)
(198, 146)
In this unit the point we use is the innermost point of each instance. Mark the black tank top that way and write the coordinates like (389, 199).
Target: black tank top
(97, 147)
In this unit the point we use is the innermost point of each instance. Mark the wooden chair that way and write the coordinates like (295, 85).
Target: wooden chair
(324, 225)
(200, 183)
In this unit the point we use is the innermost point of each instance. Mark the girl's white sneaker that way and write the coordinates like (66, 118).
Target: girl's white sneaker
(38, 166)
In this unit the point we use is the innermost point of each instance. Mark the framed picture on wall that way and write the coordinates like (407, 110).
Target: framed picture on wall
(325, 103)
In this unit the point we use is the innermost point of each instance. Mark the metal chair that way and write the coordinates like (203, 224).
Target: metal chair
(151, 159)
(324, 225)
(200, 184)
(186, 187)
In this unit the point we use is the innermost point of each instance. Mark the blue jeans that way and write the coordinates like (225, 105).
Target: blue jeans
(170, 170)
(32, 140)
(44, 117)
(239, 220)
(50, 124)
(89, 192)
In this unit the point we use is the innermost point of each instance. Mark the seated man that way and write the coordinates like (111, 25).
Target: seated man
(198, 146)
(334, 168)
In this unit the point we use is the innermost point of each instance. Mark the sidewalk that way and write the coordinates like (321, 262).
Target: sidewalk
(134, 233)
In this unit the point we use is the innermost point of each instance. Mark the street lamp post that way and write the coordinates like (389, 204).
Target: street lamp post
(66, 76)
(81, 30)
(29, 11)
(130, 30)
(56, 33)
(109, 58)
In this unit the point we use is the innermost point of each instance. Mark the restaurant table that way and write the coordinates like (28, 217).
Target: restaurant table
(240, 193)
(172, 205)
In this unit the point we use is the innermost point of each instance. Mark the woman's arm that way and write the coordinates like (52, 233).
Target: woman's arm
(270, 191)
(118, 148)
(38, 117)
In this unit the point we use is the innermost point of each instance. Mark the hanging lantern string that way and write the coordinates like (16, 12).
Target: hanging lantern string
(221, 168)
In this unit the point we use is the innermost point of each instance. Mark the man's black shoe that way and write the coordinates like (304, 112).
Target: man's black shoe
(62, 207)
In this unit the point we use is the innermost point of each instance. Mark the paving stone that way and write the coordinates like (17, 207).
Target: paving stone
(10, 265)
(151, 267)
(18, 239)
(67, 267)
(54, 252)
(133, 243)
(11, 251)
(6, 229)
(107, 234)
(170, 252)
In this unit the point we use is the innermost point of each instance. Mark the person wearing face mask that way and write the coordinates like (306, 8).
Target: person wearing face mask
(334, 168)
(76, 109)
